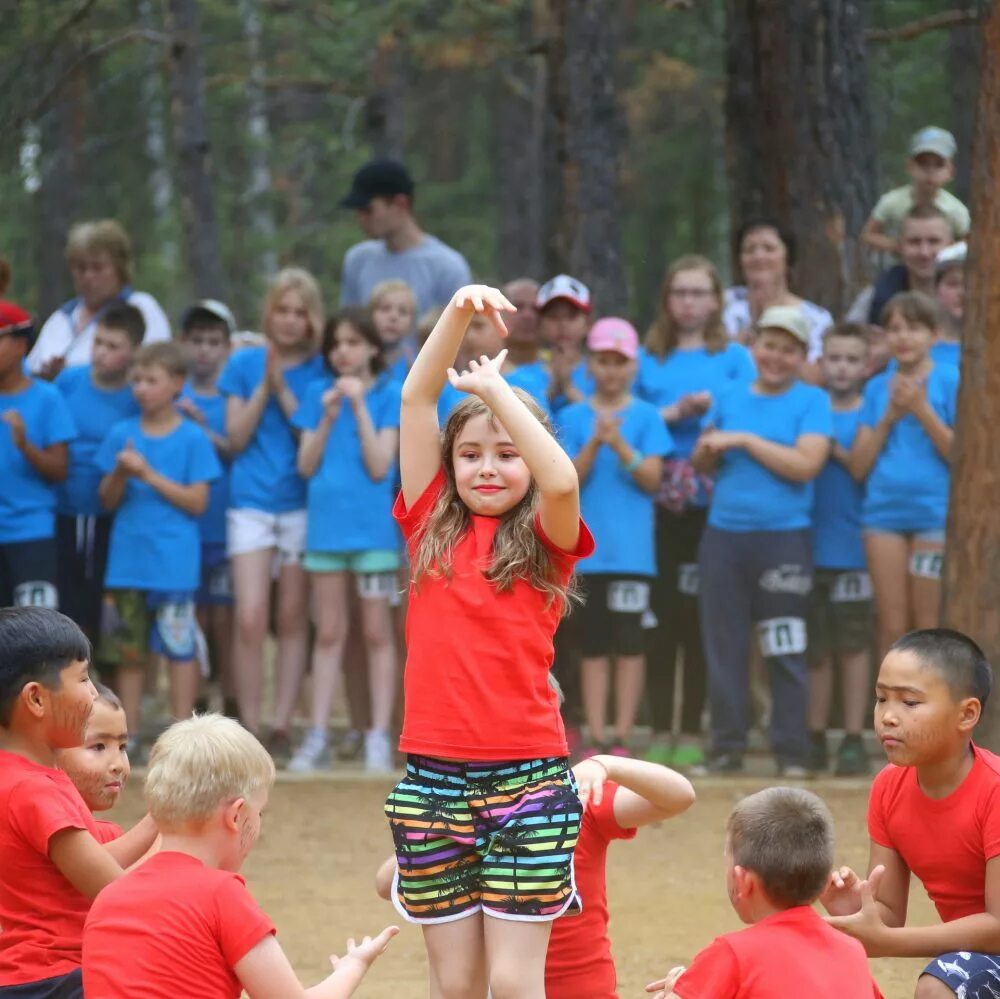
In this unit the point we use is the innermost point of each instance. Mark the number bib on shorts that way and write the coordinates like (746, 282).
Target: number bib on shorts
(687, 579)
(927, 565)
(851, 587)
(782, 636)
(628, 596)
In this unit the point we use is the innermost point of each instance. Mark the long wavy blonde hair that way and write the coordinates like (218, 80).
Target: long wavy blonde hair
(517, 551)
(661, 337)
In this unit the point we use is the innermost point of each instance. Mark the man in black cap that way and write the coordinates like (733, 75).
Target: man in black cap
(397, 248)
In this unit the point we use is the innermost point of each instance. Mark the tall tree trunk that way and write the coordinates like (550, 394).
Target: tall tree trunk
(798, 133)
(587, 134)
(963, 86)
(202, 241)
(972, 566)
(385, 104)
(519, 104)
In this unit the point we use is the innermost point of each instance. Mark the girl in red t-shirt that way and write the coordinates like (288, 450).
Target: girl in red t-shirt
(486, 819)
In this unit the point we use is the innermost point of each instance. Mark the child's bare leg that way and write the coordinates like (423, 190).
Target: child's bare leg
(293, 641)
(330, 614)
(888, 557)
(630, 680)
(252, 591)
(220, 622)
(456, 955)
(380, 642)
(185, 679)
(925, 582)
(515, 956)
(130, 681)
(820, 694)
(594, 678)
(857, 689)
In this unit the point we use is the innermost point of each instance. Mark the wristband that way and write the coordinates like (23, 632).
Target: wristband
(634, 462)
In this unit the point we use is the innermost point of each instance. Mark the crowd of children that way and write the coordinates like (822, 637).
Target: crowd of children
(707, 502)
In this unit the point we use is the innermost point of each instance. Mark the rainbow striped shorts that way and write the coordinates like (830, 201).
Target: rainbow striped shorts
(496, 838)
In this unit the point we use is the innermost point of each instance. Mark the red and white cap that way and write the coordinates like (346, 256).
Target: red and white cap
(614, 334)
(15, 320)
(564, 286)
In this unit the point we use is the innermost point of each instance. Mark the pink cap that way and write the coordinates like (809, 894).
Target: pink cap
(614, 334)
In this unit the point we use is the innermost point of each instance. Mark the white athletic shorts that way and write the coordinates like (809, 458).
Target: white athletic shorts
(255, 530)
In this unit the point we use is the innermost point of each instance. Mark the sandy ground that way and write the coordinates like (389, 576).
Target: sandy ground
(323, 840)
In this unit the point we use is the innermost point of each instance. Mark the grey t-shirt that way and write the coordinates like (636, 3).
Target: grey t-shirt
(431, 268)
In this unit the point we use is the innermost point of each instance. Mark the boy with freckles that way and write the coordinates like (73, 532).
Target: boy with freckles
(934, 812)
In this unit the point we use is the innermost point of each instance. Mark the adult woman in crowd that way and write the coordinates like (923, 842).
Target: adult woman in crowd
(766, 255)
(99, 255)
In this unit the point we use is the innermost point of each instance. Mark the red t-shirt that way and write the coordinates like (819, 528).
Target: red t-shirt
(172, 927)
(945, 842)
(792, 953)
(477, 663)
(41, 913)
(107, 831)
(579, 961)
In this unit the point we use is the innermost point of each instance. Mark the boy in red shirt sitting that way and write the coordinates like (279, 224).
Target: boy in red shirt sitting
(933, 812)
(51, 861)
(778, 844)
(183, 922)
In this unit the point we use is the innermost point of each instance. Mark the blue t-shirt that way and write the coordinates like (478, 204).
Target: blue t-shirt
(681, 372)
(907, 488)
(837, 541)
(619, 514)
(156, 546)
(748, 496)
(27, 499)
(583, 381)
(450, 396)
(264, 475)
(348, 510)
(212, 522)
(95, 411)
(947, 352)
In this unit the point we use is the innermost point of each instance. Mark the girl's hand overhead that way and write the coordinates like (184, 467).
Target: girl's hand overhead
(480, 377)
(489, 301)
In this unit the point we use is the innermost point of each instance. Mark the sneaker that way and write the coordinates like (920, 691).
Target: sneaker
(720, 765)
(620, 749)
(819, 757)
(350, 746)
(661, 753)
(852, 759)
(312, 754)
(793, 771)
(378, 752)
(686, 757)
(279, 746)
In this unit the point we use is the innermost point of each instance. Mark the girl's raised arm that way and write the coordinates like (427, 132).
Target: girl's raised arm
(419, 443)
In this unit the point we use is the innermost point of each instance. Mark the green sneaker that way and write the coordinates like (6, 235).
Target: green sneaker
(660, 752)
(684, 757)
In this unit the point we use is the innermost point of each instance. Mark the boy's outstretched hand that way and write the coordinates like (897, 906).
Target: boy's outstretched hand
(368, 950)
(664, 988)
(480, 376)
(866, 924)
(842, 895)
(482, 298)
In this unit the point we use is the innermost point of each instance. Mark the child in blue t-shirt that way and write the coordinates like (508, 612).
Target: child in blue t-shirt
(903, 448)
(157, 469)
(35, 427)
(206, 329)
(348, 451)
(564, 318)
(840, 613)
(687, 363)
(394, 312)
(765, 442)
(617, 443)
(98, 396)
(266, 522)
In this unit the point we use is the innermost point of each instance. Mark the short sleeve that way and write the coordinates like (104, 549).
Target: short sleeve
(58, 426)
(883, 209)
(962, 218)
(234, 379)
(107, 831)
(157, 324)
(654, 437)
(203, 465)
(870, 414)
(951, 377)
(308, 415)
(585, 545)
(349, 294)
(569, 423)
(386, 414)
(38, 809)
(818, 415)
(410, 520)
(107, 454)
(242, 922)
(876, 810)
(602, 817)
(740, 367)
(714, 972)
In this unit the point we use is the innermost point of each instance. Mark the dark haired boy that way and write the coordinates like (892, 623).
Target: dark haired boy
(98, 396)
(157, 469)
(35, 428)
(53, 863)
(778, 842)
(934, 812)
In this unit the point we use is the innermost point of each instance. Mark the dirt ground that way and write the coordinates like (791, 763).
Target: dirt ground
(323, 840)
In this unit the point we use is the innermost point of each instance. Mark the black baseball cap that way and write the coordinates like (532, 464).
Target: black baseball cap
(378, 179)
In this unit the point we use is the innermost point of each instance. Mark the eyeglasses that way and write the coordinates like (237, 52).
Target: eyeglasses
(691, 292)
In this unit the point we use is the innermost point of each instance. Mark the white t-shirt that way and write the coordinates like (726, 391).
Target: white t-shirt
(62, 335)
(736, 317)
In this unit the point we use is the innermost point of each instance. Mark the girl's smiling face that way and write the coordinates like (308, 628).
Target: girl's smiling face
(100, 767)
(491, 477)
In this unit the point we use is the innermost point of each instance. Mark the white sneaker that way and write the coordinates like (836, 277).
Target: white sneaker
(312, 754)
(378, 752)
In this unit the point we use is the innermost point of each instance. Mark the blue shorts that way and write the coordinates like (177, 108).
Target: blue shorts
(69, 986)
(136, 622)
(216, 589)
(968, 974)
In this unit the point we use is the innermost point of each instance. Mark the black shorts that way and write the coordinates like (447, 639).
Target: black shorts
(28, 574)
(841, 614)
(614, 614)
(69, 986)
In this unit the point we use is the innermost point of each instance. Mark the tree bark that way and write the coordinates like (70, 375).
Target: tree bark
(972, 566)
(385, 104)
(799, 142)
(202, 241)
(963, 86)
(586, 135)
